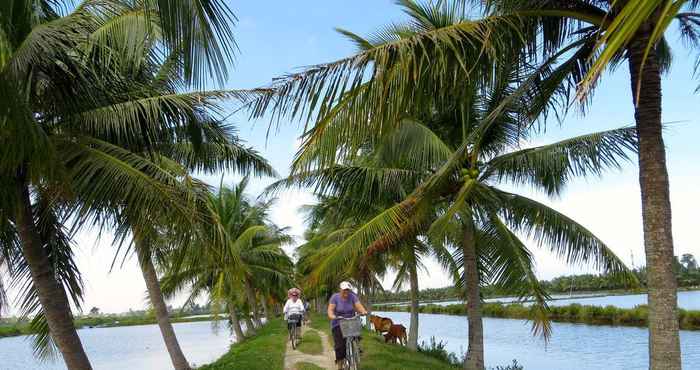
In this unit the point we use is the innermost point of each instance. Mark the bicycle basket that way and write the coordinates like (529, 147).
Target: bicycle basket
(294, 318)
(351, 327)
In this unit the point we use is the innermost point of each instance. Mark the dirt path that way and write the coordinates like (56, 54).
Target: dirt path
(325, 360)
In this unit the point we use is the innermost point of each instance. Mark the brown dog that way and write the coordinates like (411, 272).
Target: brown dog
(381, 324)
(396, 333)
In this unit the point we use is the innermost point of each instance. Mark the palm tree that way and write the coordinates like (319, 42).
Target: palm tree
(215, 150)
(56, 69)
(240, 248)
(439, 53)
(589, 36)
(478, 219)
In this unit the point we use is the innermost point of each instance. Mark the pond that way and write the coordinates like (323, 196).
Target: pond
(688, 300)
(572, 346)
(127, 347)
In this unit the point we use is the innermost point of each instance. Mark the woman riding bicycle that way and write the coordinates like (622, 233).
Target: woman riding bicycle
(343, 304)
(293, 306)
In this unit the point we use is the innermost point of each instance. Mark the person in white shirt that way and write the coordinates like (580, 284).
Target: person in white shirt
(294, 306)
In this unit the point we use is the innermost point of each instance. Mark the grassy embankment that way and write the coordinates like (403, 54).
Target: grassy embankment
(13, 328)
(574, 313)
(265, 351)
(381, 356)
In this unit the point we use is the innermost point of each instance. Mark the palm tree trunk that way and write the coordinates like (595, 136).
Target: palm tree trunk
(250, 294)
(368, 307)
(161, 310)
(413, 329)
(235, 323)
(266, 311)
(53, 299)
(250, 328)
(664, 342)
(475, 351)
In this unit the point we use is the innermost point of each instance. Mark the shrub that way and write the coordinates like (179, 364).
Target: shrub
(437, 350)
(513, 366)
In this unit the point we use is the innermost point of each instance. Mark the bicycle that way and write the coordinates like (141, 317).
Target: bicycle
(293, 328)
(351, 328)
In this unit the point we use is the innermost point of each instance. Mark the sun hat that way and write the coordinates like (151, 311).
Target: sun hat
(345, 285)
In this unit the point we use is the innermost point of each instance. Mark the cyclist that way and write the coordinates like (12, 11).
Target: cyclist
(307, 307)
(293, 306)
(343, 304)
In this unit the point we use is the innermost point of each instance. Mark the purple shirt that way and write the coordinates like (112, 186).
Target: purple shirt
(343, 307)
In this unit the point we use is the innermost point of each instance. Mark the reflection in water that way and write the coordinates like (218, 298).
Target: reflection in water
(128, 347)
(572, 347)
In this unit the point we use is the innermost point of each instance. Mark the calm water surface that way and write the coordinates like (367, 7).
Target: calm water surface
(572, 347)
(686, 300)
(127, 348)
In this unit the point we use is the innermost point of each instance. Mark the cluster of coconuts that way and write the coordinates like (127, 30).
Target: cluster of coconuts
(471, 173)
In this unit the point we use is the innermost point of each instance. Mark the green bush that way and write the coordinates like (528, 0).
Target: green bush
(513, 366)
(437, 350)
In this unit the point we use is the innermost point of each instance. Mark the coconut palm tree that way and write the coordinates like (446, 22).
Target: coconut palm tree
(478, 219)
(230, 255)
(586, 37)
(214, 149)
(62, 142)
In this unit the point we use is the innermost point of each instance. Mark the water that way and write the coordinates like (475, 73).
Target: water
(127, 347)
(688, 300)
(572, 347)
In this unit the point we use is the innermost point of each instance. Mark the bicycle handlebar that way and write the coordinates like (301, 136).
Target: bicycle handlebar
(349, 318)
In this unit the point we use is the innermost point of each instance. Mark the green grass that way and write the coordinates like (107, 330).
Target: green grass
(306, 366)
(265, 351)
(381, 356)
(311, 343)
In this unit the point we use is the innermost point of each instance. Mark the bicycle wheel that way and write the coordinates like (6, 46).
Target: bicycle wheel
(294, 336)
(352, 355)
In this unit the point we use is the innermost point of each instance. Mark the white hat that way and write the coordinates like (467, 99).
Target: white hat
(345, 285)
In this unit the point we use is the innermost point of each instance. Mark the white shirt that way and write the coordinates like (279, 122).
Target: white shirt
(291, 307)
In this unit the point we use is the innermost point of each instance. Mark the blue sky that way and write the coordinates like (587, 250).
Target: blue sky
(277, 37)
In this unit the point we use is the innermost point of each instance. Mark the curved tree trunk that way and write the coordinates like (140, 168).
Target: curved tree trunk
(475, 351)
(664, 342)
(250, 294)
(235, 323)
(413, 329)
(52, 297)
(156, 296)
(266, 311)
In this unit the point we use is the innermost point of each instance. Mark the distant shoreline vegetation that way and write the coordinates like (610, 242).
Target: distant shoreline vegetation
(686, 268)
(573, 313)
(11, 328)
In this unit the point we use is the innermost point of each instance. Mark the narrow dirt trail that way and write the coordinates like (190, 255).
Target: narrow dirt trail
(325, 360)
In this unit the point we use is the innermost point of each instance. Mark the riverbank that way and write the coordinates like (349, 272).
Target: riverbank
(556, 296)
(573, 313)
(378, 355)
(15, 328)
(263, 351)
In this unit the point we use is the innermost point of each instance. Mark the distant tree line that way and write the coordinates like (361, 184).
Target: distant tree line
(685, 267)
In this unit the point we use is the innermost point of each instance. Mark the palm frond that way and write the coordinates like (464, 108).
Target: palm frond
(551, 167)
